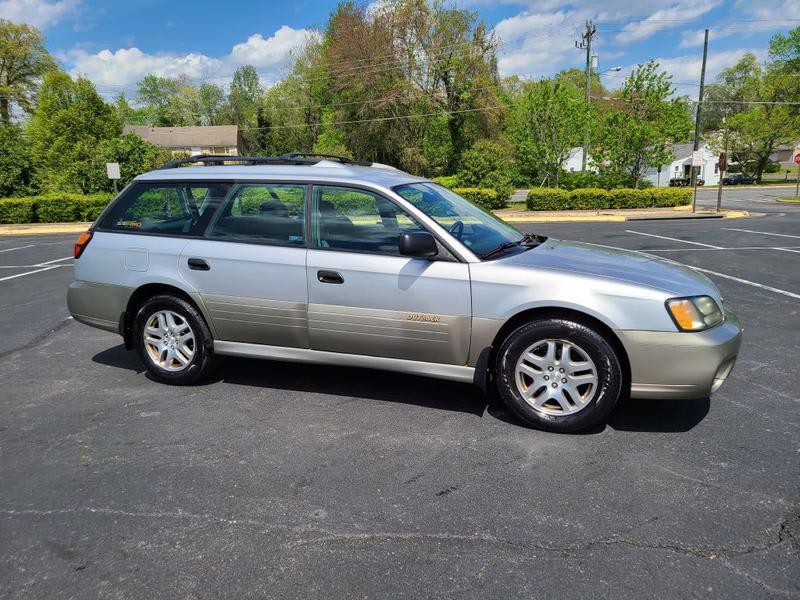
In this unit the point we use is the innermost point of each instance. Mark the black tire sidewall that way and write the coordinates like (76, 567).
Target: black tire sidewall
(201, 361)
(593, 343)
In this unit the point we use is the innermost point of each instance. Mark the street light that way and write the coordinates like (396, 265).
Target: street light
(612, 69)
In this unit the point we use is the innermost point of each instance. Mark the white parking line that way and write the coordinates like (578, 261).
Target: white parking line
(49, 262)
(18, 248)
(664, 237)
(747, 282)
(27, 266)
(785, 249)
(723, 275)
(29, 273)
(762, 232)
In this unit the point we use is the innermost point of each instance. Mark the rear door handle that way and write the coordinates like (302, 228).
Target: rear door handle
(329, 277)
(198, 264)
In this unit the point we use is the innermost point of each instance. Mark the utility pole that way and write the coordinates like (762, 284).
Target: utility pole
(697, 117)
(586, 44)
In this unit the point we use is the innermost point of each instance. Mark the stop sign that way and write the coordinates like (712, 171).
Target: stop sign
(797, 158)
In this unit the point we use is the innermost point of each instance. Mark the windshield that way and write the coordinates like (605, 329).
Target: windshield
(478, 230)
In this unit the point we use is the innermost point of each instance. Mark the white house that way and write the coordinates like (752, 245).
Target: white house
(681, 166)
(574, 160)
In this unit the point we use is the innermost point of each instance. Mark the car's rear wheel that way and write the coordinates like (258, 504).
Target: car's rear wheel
(558, 375)
(173, 340)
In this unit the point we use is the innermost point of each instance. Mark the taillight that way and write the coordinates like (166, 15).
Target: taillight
(81, 244)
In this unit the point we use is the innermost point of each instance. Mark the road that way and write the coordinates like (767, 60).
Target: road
(281, 480)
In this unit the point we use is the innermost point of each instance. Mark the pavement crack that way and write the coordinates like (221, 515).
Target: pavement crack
(38, 339)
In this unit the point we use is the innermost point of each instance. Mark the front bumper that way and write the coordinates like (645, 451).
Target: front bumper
(681, 364)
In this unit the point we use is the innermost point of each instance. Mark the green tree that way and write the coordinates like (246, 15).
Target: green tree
(244, 101)
(169, 101)
(755, 100)
(134, 155)
(211, 100)
(639, 131)
(69, 123)
(544, 122)
(23, 61)
(488, 164)
(127, 114)
(16, 168)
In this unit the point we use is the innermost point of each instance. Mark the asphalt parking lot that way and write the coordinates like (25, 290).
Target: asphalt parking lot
(282, 480)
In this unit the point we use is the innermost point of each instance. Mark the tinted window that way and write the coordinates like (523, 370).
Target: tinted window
(263, 213)
(167, 208)
(351, 219)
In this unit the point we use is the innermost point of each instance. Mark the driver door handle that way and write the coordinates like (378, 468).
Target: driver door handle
(329, 277)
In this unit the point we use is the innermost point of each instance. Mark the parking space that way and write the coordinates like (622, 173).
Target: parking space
(295, 480)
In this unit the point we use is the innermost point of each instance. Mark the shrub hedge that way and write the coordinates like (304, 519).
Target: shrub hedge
(52, 208)
(600, 199)
(484, 197)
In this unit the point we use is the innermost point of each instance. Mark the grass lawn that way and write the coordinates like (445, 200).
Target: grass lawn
(790, 199)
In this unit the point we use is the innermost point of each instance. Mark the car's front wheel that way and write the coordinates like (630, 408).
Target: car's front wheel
(173, 340)
(558, 375)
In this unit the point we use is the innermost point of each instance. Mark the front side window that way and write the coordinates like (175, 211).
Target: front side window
(267, 213)
(166, 208)
(357, 220)
(478, 230)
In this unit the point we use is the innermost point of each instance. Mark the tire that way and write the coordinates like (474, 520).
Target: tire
(579, 398)
(168, 354)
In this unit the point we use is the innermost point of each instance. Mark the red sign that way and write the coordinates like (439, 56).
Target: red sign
(797, 158)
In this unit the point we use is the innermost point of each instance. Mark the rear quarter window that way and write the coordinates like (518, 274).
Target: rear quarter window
(165, 208)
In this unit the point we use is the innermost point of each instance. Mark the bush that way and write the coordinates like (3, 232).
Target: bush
(483, 197)
(52, 208)
(547, 199)
(16, 210)
(488, 165)
(448, 181)
(599, 199)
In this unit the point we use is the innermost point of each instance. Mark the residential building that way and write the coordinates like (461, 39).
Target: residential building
(681, 166)
(220, 140)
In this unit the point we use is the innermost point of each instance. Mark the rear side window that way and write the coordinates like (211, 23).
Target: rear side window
(166, 208)
(265, 213)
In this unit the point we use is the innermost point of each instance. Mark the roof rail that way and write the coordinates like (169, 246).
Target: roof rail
(290, 158)
(334, 157)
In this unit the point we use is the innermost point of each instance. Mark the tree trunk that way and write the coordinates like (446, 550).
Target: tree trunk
(5, 111)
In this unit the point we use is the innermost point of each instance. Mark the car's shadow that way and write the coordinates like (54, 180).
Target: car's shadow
(668, 416)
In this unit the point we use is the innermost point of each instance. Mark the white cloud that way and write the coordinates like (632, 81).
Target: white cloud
(685, 70)
(126, 66)
(768, 9)
(120, 70)
(40, 13)
(271, 51)
(663, 19)
(537, 43)
(694, 38)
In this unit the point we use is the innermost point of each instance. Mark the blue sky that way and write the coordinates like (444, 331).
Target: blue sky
(116, 43)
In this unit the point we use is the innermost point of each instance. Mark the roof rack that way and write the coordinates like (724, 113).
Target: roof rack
(290, 158)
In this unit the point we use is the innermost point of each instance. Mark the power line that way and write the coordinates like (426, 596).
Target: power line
(379, 119)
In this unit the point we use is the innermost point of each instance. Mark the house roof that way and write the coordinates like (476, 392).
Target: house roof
(182, 137)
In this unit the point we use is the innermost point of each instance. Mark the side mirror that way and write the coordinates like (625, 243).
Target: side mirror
(419, 244)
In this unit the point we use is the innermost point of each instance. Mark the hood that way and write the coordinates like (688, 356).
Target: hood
(618, 264)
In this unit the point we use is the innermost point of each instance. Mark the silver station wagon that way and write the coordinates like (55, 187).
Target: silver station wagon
(319, 259)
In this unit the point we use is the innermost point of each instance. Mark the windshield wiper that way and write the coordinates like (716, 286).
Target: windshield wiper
(528, 239)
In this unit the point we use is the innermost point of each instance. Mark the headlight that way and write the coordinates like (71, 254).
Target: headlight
(695, 313)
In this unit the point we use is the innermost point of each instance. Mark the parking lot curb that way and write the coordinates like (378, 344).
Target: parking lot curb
(42, 228)
(734, 214)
